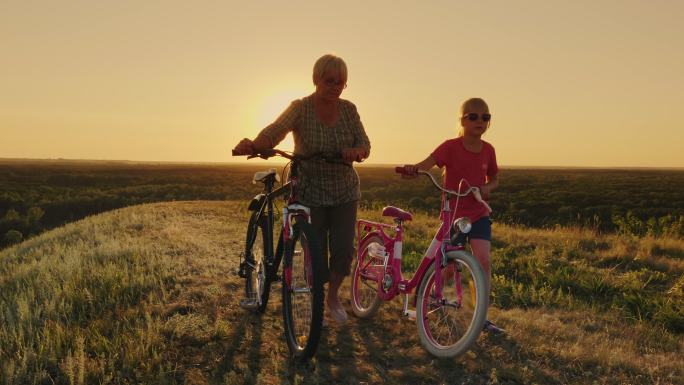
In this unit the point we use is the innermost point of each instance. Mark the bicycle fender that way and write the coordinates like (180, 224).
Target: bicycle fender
(364, 239)
(257, 202)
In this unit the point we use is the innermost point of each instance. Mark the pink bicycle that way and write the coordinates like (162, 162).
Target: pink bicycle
(452, 298)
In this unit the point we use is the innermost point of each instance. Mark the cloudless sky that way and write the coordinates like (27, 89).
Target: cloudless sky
(581, 83)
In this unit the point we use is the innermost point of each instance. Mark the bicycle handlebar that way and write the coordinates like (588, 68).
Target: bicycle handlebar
(330, 157)
(474, 190)
(265, 154)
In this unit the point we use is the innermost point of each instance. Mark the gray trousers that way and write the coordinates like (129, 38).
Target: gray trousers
(335, 227)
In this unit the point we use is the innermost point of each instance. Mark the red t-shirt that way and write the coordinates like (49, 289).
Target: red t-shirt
(471, 166)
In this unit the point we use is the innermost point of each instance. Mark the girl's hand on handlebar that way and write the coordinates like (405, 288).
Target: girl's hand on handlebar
(477, 193)
(485, 190)
(410, 171)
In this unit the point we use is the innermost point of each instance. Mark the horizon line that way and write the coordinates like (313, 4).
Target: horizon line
(246, 163)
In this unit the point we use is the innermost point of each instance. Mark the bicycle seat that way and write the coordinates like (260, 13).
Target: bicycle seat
(391, 211)
(261, 175)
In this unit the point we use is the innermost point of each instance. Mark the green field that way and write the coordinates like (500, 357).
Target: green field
(40, 195)
(147, 294)
(588, 280)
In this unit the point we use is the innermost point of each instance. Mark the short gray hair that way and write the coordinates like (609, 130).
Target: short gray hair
(330, 63)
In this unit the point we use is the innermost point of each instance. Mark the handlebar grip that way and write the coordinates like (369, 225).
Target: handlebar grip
(401, 170)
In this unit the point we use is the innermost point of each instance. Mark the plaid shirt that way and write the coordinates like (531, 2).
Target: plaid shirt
(322, 184)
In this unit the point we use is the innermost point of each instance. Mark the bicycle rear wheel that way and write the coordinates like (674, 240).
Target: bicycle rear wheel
(366, 275)
(257, 279)
(448, 326)
(302, 290)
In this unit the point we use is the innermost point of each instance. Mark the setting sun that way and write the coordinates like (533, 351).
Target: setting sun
(271, 106)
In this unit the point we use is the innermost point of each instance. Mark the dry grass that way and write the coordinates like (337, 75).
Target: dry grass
(148, 294)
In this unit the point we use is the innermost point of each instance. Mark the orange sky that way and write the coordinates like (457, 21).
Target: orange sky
(583, 83)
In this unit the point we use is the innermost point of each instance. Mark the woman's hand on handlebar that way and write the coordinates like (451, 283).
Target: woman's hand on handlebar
(354, 154)
(245, 147)
(251, 147)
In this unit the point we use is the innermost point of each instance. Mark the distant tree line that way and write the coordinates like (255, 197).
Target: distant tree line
(636, 202)
(37, 196)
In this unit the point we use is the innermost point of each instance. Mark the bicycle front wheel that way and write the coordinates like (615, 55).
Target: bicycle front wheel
(449, 325)
(302, 291)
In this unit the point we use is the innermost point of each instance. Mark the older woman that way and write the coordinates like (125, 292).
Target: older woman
(322, 122)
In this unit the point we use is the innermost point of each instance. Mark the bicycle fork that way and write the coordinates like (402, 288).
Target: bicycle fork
(433, 249)
(289, 213)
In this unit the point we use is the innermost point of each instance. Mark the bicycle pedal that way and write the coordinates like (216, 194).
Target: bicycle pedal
(411, 314)
(249, 303)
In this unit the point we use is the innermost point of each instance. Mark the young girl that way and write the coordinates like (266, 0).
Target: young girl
(471, 158)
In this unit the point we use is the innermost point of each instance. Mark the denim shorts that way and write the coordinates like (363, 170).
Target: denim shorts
(482, 229)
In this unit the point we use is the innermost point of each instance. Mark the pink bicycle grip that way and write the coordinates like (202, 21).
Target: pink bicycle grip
(401, 170)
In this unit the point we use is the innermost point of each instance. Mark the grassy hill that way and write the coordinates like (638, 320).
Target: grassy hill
(147, 294)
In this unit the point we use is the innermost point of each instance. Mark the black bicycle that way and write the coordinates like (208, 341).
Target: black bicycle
(303, 265)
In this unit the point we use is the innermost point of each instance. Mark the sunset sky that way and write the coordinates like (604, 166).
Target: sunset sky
(584, 83)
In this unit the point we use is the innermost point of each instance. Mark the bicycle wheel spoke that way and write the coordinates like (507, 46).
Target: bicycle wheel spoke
(301, 300)
(368, 285)
(367, 270)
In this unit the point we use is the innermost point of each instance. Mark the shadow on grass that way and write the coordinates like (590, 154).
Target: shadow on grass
(336, 359)
(504, 360)
(230, 350)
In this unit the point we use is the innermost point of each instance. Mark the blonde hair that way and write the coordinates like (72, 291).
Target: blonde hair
(330, 63)
(470, 105)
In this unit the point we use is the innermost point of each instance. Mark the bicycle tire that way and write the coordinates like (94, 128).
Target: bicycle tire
(257, 280)
(303, 297)
(366, 275)
(271, 275)
(464, 317)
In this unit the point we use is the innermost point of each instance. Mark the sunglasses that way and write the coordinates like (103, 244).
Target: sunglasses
(473, 117)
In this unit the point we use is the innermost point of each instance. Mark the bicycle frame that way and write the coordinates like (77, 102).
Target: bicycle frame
(449, 318)
(299, 251)
(435, 253)
(392, 263)
(291, 212)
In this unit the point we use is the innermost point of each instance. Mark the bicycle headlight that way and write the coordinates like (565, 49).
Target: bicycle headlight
(462, 225)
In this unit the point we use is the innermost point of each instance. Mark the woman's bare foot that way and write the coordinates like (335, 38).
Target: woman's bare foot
(336, 310)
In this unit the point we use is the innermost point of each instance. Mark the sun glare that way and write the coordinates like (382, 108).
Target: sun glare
(273, 105)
